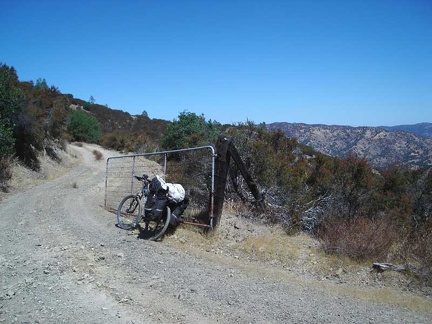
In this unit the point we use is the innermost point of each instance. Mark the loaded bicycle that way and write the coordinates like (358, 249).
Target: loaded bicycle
(148, 207)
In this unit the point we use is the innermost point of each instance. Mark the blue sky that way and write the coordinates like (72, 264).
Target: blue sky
(358, 63)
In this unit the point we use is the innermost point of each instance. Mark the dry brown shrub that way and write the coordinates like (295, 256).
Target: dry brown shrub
(98, 155)
(360, 239)
(419, 250)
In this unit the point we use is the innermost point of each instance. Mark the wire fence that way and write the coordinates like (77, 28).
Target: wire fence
(192, 167)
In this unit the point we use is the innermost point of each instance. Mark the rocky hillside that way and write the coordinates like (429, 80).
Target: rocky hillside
(379, 146)
(422, 129)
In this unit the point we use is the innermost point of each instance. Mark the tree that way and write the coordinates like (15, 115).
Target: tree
(83, 127)
(90, 103)
(11, 98)
(144, 113)
(41, 84)
(190, 130)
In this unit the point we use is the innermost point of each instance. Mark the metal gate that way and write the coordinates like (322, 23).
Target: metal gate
(194, 168)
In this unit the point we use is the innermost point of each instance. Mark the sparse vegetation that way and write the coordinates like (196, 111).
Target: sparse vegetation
(126, 142)
(352, 208)
(98, 155)
(355, 211)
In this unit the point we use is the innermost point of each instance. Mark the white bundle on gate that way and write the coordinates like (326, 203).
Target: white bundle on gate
(176, 192)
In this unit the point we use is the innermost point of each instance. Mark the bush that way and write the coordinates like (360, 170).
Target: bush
(98, 155)
(10, 102)
(121, 141)
(83, 127)
(279, 168)
(27, 141)
(359, 239)
(190, 130)
(418, 247)
(5, 173)
(7, 141)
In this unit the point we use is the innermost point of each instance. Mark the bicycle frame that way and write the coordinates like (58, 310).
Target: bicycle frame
(129, 217)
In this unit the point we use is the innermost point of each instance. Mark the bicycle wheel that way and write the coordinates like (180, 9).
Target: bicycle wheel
(155, 229)
(129, 212)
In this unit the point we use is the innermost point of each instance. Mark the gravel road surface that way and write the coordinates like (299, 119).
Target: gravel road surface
(63, 260)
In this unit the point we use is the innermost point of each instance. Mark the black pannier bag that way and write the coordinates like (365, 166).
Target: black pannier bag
(157, 199)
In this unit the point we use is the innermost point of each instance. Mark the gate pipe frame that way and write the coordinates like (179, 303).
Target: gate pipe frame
(165, 153)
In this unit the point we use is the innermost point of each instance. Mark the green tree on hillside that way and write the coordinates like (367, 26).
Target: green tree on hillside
(11, 98)
(83, 127)
(190, 130)
(41, 84)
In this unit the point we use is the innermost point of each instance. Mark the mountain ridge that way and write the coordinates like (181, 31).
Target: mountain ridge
(382, 147)
(422, 129)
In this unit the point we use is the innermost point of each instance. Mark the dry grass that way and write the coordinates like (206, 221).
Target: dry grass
(276, 248)
(268, 251)
(235, 208)
(246, 239)
(24, 178)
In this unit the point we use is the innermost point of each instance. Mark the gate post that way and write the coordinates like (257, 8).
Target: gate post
(221, 173)
(225, 150)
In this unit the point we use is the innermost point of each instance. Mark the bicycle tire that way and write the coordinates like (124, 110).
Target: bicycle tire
(129, 212)
(155, 229)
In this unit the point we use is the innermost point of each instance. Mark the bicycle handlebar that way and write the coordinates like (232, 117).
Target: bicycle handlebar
(143, 178)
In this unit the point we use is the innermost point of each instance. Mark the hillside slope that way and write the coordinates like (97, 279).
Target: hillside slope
(422, 129)
(380, 147)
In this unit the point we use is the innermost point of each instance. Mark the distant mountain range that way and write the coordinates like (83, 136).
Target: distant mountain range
(409, 145)
(422, 129)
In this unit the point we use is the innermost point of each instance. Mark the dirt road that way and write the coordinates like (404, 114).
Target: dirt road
(63, 260)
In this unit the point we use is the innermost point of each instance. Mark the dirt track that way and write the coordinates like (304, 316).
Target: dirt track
(63, 260)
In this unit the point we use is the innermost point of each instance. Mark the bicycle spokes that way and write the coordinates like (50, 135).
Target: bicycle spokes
(128, 213)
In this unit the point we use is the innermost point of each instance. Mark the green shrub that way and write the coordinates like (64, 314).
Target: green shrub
(83, 127)
(11, 98)
(7, 141)
(190, 130)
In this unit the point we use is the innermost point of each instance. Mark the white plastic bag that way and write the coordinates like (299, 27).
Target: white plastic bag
(176, 192)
